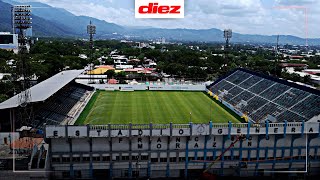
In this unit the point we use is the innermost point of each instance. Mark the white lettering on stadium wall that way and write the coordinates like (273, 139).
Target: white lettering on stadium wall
(81, 131)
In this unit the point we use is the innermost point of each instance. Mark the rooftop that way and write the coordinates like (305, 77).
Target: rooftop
(26, 143)
(45, 89)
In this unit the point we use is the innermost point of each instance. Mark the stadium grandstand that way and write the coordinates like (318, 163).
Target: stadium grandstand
(57, 100)
(184, 148)
(261, 97)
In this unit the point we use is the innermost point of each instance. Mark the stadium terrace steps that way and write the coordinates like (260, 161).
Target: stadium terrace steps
(58, 108)
(262, 97)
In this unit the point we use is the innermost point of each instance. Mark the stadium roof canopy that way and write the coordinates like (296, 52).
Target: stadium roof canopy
(45, 89)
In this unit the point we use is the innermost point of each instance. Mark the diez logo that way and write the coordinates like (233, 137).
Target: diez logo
(159, 8)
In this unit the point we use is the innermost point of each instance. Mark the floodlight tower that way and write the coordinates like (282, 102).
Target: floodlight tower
(91, 30)
(21, 19)
(227, 34)
(277, 49)
(276, 56)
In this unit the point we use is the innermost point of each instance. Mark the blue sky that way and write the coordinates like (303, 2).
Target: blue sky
(243, 16)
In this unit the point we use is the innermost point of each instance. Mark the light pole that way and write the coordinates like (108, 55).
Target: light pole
(210, 111)
(190, 117)
(91, 30)
(227, 34)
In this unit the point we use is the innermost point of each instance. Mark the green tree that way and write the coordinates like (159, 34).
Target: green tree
(120, 74)
(3, 97)
(110, 74)
(307, 79)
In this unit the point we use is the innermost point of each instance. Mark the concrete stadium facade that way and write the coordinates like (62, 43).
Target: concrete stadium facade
(185, 150)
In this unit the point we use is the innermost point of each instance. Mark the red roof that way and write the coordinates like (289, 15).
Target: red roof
(296, 57)
(312, 71)
(149, 69)
(131, 70)
(106, 66)
(292, 65)
(112, 81)
(26, 143)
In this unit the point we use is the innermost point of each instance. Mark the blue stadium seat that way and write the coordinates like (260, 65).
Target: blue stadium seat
(261, 98)
(55, 110)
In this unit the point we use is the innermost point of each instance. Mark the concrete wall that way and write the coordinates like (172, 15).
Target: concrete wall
(166, 147)
(162, 153)
(182, 130)
(110, 87)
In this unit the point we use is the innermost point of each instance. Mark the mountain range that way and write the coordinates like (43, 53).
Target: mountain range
(50, 21)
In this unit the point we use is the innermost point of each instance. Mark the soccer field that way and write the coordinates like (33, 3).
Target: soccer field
(159, 107)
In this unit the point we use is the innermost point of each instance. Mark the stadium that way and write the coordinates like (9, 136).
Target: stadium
(244, 124)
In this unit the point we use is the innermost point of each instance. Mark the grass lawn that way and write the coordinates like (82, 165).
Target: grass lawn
(159, 107)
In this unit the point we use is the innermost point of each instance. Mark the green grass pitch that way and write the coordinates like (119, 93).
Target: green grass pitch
(158, 107)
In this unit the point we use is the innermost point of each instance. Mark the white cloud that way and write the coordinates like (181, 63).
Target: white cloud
(296, 2)
(227, 8)
(243, 16)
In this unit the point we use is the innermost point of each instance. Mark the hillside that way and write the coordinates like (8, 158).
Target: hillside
(75, 24)
(40, 26)
(57, 22)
